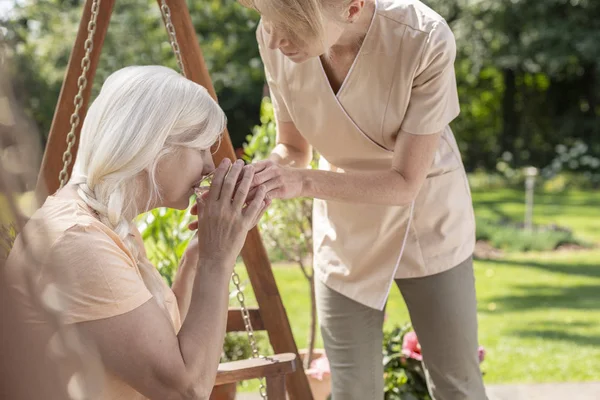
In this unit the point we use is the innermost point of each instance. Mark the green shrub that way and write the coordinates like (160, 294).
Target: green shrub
(511, 237)
(166, 236)
(236, 347)
(480, 180)
(404, 377)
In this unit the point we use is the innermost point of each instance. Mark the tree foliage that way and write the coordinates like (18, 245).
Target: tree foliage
(42, 33)
(528, 72)
(528, 77)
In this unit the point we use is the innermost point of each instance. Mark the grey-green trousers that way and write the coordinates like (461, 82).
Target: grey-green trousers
(443, 312)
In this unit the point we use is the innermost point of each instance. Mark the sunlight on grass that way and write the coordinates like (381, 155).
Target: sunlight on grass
(576, 210)
(539, 317)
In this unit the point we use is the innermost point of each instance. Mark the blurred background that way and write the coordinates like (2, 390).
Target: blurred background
(528, 75)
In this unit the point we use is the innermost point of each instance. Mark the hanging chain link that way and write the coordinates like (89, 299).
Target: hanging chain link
(166, 12)
(67, 157)
(235, 278)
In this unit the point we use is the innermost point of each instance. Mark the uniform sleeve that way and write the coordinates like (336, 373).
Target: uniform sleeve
(434, 101)
(279, 106)
(92, 276)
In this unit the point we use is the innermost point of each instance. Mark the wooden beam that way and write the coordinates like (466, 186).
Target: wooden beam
(56, 145)
(235, 321)
(254, 368)
(276, 387)
(254, 253)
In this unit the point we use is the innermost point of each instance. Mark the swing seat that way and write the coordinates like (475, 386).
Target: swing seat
(255, 368)
(273, 369)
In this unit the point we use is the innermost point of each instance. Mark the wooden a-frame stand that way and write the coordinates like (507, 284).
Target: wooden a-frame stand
(271, 315)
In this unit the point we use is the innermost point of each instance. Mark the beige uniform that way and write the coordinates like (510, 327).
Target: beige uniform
(402, 79)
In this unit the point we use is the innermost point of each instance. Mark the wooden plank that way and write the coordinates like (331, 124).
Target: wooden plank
(52, 162)
(235, 321)
(237, 371)
(276, 387)
(254, 253)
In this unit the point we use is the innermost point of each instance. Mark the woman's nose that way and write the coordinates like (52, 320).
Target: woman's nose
(209, 164)
(276, 41)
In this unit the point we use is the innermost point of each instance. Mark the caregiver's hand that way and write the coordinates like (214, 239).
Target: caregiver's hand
(281, 182)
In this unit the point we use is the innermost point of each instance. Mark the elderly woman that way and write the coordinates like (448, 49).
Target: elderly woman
(370, 85)
(145, 143)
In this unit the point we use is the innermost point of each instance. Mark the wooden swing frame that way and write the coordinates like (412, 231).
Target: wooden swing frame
(271, 315)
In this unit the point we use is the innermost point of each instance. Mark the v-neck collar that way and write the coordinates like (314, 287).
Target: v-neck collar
(356, 59)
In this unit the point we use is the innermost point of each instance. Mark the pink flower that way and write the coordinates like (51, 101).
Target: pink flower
(481, 353)
(319, 368)
(411, 347)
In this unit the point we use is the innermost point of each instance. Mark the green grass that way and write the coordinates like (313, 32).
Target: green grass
(577, 210)
(539, 317)
(539, 313)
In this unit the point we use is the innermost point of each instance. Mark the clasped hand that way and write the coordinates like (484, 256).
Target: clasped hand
(278, 183)
(226, 212)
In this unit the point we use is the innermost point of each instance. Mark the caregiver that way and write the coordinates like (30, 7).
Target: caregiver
(370, 85)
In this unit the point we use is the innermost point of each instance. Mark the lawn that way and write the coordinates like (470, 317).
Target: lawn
(539, 313)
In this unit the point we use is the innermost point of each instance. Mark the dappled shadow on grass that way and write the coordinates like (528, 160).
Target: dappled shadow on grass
(532, 297)
(560, 334)
(587, 270)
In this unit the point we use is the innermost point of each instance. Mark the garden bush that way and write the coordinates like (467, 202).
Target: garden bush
(510, 236)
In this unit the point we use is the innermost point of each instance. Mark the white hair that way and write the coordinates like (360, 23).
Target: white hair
(141, 114)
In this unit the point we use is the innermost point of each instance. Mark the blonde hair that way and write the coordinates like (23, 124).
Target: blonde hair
(300, 20)
(141, 114)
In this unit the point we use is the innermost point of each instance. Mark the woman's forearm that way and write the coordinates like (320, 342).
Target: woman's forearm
(384, 188)
(183, 285)
(202, 333)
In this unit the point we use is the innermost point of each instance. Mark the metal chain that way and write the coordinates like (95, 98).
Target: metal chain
(235, 278)
(67, 157)
(166, 12)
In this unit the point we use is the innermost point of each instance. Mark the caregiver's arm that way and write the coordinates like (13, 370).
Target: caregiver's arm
(413, 156)
(291, 148)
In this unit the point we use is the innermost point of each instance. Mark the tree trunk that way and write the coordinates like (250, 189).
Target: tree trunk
(589, 79)
(509, 113)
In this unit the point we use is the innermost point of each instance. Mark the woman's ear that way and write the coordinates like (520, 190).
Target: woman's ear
(354, 10)
(142, 183)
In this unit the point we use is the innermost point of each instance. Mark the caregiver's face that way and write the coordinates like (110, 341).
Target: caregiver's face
(299, 49)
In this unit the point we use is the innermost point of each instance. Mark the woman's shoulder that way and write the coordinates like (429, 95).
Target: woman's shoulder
(65, 225)
(63, 244)
(413, 14)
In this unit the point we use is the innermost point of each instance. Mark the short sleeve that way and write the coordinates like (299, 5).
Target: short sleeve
(433, 102)
(279, 106)
(92, 276)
